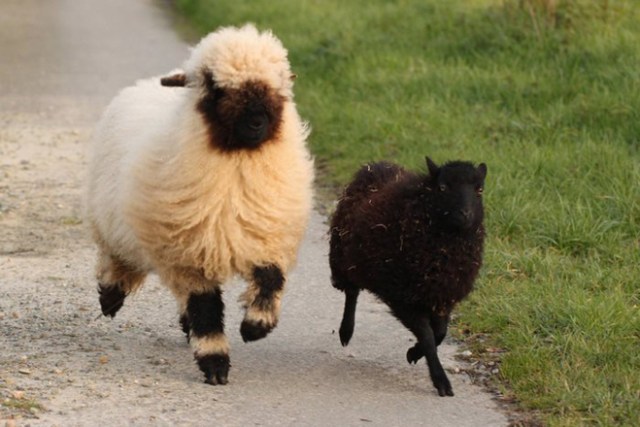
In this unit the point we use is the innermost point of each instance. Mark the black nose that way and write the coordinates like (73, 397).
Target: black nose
(466, 213)
(252, 127)
(257, 122)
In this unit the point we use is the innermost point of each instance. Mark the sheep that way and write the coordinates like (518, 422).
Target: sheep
(414, 240)
(200, 176)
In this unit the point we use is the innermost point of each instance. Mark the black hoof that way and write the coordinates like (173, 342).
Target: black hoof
(344, 337)
(251, 331)
(215, 368)
(445, 392)
(443, 386)
(414, 354)
(345, 332)
(111, 299)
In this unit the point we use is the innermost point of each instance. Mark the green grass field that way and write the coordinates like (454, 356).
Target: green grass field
(550, 100)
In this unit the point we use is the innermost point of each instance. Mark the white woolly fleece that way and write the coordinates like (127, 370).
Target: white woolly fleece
(237, 55)
(161, 198)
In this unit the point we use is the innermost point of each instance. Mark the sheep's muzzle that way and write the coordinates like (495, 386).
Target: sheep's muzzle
(241, 118)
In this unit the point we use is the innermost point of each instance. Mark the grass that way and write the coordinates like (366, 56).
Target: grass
(547, 96)
(22, 404)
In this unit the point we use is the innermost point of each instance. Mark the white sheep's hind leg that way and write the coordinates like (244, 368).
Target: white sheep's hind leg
(262, 302)
(116, 280)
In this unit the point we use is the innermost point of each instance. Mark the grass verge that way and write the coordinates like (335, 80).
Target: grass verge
(546, 94)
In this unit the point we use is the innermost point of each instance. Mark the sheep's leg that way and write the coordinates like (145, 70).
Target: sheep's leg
(262, 302)
(414, 354)
(439, 324)
(184, 324)
(111, 298)
(116, 280)
(349, 314)
(184, 317)
(421, 328)
(205, 317)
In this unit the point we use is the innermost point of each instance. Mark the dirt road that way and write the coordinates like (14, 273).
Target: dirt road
(62, 364)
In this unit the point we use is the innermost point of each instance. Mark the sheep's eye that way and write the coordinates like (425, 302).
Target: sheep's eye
(443, 187)
(479, 190)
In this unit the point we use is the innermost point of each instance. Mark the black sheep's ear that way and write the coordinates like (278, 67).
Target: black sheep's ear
(433, 168)
(174, 80)
(482, 170)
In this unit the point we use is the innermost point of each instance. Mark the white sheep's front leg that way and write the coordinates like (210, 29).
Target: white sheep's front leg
(205, 322)
(202, 319)
(262, 302)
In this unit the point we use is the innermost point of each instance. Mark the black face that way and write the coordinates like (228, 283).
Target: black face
(252, 126)
(241, 119)
(458, 187)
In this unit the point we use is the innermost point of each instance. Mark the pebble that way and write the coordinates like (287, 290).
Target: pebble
(466, 353)
(18, 394)
(103, 360)
(24, 371)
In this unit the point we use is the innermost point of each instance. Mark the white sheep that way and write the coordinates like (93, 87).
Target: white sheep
(201, 182)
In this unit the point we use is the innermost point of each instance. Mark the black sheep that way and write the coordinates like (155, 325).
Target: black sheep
(415, 241)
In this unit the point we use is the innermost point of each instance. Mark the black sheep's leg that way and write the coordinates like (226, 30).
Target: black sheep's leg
(340, 281)
(439, 325)
(262, 302)
(349, 314)
(205, 315)
(414, 353)
(421, 328)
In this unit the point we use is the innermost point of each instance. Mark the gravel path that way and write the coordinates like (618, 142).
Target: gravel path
(62, 364)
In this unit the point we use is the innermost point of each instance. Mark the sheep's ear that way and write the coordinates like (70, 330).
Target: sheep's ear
(433, 168)
(482, 170)
(292, 77)
(174, 80)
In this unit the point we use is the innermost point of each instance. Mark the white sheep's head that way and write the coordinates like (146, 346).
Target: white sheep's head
(243, 79)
